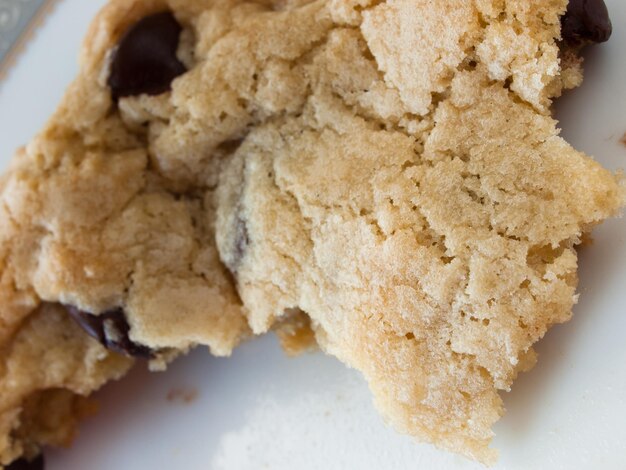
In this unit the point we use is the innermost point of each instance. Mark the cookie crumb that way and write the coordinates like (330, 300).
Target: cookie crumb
(182, 395)
(623, 140)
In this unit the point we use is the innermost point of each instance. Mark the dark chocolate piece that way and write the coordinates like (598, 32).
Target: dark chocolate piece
(586, 21)
(23, 464)
(145, 59)
(111, 329)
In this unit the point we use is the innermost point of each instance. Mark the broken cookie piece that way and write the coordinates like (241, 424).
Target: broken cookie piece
(101, 260)
(431, 242)
(385, 176)
(49, 366)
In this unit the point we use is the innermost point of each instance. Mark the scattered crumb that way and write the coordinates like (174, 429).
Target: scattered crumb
(181, 395)
(623, 139)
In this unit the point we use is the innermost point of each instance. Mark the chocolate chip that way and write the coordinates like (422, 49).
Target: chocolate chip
(586, 21)
(23, 464)
(145, 59)
(111, 329)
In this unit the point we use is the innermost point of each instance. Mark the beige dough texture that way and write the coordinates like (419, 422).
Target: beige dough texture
(383, 178)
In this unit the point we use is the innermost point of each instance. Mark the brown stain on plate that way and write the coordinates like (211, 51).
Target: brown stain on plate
(182, 395)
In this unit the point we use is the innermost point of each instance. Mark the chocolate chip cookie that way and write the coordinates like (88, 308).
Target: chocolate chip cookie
(420, 206)
(104, 258)
(385, 176)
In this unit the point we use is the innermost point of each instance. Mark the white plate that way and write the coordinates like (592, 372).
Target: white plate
(259, 409)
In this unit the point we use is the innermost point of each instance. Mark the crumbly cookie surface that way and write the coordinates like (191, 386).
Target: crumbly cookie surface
(420, 208)
(386, 174)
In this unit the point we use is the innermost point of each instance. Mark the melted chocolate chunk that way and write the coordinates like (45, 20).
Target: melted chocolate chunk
(145, 60)
(23, 464)
(111, 329)
(586, 21)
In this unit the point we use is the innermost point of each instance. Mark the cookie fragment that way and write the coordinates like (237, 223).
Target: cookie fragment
(430, 257)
